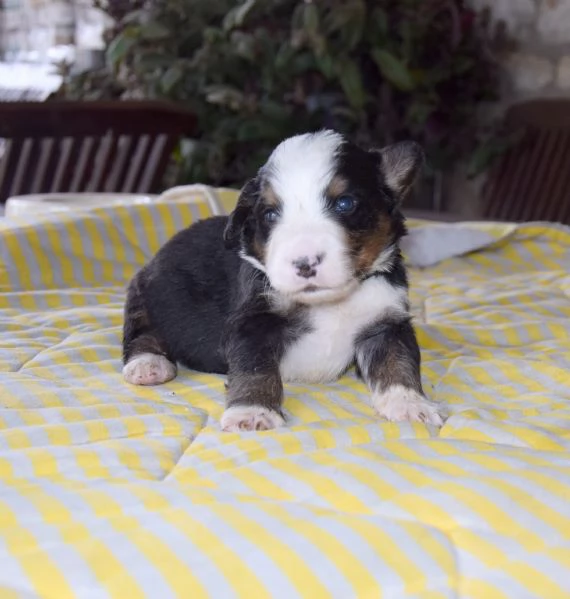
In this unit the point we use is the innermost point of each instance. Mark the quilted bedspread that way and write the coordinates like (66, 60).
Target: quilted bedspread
(113, 491)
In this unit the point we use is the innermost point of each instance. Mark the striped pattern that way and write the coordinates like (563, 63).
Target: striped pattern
(111, 491)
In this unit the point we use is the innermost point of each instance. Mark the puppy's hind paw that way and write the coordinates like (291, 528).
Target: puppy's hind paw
(250, 418)
(149, 369)
(398, 403)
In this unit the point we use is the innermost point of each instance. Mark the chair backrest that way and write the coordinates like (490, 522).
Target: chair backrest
(60, 146)
(532, 180)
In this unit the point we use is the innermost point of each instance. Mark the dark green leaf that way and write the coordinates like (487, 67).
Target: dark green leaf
(224, 95)
(149, 60)
(352, 33)
(481, 157)
(276, 111)
(120, 47)
(171, 77)
(297, 17)
(319, 45)
(284, 57)
(134, 16)
(351, 82)
(311, 18)
(236, 16)
(326, 65)
(153, 31)
(419, 112)
(463, 64)
(256, 130)
(213, 35)
(345, 112)
(393, 69)
(407, 45)
(243, 45)
(348, 20)
(380, 20)
(303, 63)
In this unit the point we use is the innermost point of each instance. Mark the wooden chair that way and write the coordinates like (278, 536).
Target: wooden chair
(532, 181)
(60, 146)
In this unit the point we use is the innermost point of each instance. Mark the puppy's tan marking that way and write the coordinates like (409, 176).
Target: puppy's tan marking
(366, 246)
(269, 197)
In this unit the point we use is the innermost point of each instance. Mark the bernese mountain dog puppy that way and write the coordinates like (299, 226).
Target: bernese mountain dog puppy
(302, 281)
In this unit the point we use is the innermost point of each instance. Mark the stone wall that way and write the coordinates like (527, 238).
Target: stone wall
(46, 30)
(540, 67)
(31, 28)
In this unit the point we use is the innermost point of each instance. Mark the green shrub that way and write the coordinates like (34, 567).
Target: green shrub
(257, 71)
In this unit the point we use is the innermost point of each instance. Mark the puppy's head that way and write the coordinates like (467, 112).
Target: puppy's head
(322, 214)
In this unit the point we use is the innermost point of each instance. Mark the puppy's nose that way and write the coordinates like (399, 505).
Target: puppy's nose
(307, 267)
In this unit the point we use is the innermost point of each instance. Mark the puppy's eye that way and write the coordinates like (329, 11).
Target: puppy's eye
(345, 205)
(270, 216)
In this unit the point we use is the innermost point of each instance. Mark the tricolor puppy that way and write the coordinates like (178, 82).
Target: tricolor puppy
(302, 281)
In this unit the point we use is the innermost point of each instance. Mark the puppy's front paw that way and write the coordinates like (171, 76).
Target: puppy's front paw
(149, 369)
(398, 403)
(250, 418)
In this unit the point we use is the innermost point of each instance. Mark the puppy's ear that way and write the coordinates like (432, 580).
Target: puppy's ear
(401, 163)
(246, 202)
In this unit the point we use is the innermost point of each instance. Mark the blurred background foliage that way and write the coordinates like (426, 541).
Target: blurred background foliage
(257, 71)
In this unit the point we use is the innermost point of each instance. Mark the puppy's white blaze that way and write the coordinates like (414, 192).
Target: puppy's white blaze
(299, 171)
(328, 349)
(250, 418)
(149, 369)
(399, 403)
(302, 166)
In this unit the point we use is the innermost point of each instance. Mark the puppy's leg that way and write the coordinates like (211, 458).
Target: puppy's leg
(255, 391)
(144, 354)
(388, 358)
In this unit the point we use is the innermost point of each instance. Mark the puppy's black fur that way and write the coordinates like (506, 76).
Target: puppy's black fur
(187, 293)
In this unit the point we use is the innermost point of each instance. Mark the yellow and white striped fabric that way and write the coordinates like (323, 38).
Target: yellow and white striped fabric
(112, 491)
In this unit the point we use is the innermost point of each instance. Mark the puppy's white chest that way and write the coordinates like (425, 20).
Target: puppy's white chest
(323, 353)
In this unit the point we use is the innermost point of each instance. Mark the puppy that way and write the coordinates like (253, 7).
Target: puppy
(302, 281)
